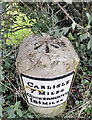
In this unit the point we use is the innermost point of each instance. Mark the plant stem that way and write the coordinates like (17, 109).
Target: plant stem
(88, 34)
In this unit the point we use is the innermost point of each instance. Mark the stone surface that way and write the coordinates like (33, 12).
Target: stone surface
(45, 57)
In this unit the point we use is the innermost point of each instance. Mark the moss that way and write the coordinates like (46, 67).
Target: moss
(44, 65)
(68, 66)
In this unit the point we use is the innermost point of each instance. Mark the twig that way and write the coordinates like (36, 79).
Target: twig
(7, 86)
(28, 105)
(72, 19)
(34, 89)
(10, 83)
(7, 55)
(83, 108)
(51, 15)
(57, 12)
(76, 109)
(8, 63)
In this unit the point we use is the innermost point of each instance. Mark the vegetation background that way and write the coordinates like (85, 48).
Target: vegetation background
(22, 19)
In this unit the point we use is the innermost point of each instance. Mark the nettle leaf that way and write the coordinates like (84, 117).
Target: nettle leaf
(55, 19)
(83, 36)
(35, 28)
(40, 23)
(70, 36)
(57, 34)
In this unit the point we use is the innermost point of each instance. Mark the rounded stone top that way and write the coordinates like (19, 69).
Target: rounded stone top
(46, 57)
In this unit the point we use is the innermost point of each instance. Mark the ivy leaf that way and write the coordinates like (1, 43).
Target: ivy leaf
(89, 26)
(88, 111)
(73, 26)
(83, 36)
(89, 18)
(77, 102)
(90, 43)
(1, 115)
(88, 46)
(2, 77)
(90, 62)
(2, 100)
(19, 113)
(80, 90)
(70, 36)
(17, 104)
(10, 112)
(68, 1)
(29, 115)
(3, 89)
(12, 115)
